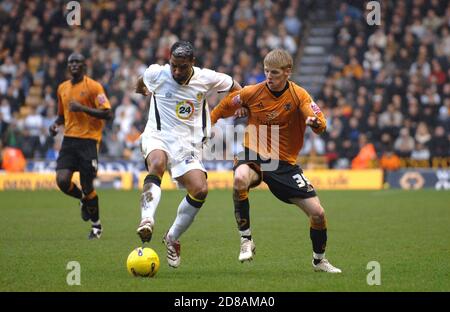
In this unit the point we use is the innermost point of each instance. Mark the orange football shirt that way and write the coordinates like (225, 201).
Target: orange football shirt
(288, 112)
(90, 93)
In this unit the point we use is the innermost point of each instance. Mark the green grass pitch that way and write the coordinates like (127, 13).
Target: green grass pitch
(408, 233)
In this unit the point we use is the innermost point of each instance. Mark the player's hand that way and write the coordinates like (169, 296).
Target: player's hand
(53, 129)
(75, 107)
(241, 112)
(313, 122)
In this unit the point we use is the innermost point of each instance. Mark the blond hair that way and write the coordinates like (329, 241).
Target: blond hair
(278, 58)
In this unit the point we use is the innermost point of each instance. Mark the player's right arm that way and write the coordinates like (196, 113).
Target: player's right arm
(227, 107)
(53, 129)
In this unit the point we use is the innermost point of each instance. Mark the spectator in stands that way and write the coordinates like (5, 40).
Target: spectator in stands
(5, 110)
(287, 41)
(431, 97)
(313, 145)
(378, 39)
(114, 146)
(422, 135)
(444, 112)
(432, 21)
(437, 76)
(3, 127)
(292, 23)
(347, 10)
(440, 144)
(3, 84)
(125, 116)
(404, 144)
(390, 161)
(373, 60)
(420, 152)
(367, 155)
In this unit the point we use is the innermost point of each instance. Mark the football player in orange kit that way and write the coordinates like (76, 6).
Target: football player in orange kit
(82, 108)
(281, 103)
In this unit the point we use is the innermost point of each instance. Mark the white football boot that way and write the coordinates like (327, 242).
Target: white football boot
(325, 266)
(173, 251)
(247, 249)
(145, 230)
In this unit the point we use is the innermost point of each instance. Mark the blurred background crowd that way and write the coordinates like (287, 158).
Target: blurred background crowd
(386, 96)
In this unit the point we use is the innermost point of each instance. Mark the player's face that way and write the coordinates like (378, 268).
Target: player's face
(75, 66)
(181, 68)
(276, 77)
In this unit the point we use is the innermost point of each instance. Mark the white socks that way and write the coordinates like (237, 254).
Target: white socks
(318, 256)
(149, 202)
(247, 232)
(185, 215)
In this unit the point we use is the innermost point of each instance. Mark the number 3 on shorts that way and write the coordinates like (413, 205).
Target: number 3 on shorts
(301, 180)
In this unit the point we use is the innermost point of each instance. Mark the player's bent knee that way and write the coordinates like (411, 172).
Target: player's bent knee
(63, 182)
(240, 184)
(200, 192)
(157, 166)
(318, 221)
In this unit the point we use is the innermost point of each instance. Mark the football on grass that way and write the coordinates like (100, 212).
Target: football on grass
(143, 262)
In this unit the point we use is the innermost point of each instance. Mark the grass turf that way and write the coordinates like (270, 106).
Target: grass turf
(406, 232)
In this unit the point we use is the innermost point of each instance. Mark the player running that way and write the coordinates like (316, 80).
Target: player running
(281, 103)
(178, 124)
(82, 108)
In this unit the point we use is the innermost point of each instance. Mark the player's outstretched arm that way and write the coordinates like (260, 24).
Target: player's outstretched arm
(227, 107)
(105, 113)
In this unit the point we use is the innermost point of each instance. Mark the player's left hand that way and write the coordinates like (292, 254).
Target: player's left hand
(75, 107)
(241, 112)
(313, 122)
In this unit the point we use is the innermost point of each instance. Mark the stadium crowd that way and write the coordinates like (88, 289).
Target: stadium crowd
(120, 39)
(387, 94)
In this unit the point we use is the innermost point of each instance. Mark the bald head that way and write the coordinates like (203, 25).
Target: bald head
(76, 57)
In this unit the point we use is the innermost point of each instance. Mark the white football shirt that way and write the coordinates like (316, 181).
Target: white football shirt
(182, 110)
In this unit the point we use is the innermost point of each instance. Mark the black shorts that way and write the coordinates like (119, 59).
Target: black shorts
(285, 182)
(78, 155)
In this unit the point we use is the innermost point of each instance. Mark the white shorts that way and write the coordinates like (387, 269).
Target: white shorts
(182, 156)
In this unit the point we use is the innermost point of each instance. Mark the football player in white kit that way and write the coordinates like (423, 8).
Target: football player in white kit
(178, 124)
